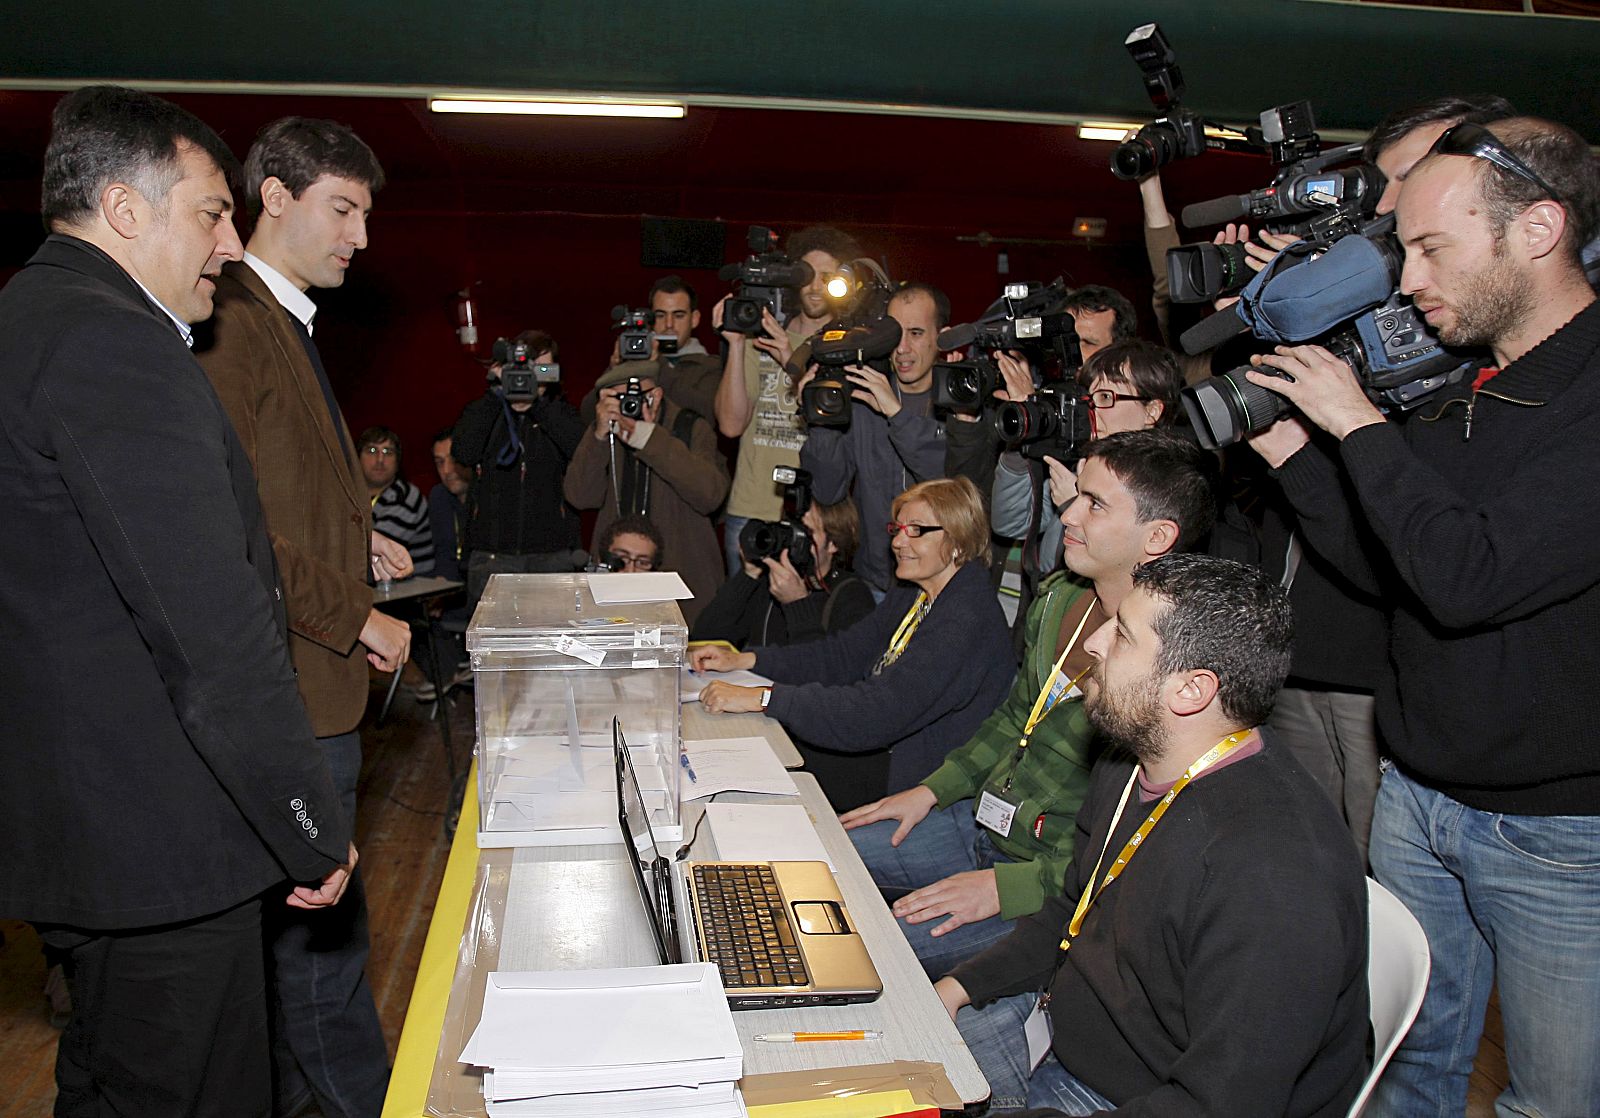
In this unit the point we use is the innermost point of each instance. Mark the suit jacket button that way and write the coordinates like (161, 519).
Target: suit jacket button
(313, 832)
(300, 815)
(306, 823)
(296, 804)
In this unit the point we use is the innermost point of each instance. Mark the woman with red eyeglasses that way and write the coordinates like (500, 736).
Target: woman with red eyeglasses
(915, 678)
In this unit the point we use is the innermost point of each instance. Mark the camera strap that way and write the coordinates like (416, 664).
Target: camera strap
(512, 450)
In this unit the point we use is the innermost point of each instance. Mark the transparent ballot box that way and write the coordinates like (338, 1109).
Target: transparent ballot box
(551, 669)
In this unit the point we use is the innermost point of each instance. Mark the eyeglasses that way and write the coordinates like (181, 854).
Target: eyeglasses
(633, 562)
(915, 531)
(380, 451)
(1108, 398)
(1477, 141)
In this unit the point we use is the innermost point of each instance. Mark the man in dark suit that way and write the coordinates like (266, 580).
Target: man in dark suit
(160, 772)
(310, 182)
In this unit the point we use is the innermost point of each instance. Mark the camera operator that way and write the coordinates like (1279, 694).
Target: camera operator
(1483, 509)
(756, 400)
(771, 603)
(518, 452)
(1131, 385)
(661, 462)
(686, 372)
(893, 440)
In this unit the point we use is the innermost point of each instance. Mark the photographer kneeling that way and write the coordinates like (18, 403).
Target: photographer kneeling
(782, 600)
(916, 677)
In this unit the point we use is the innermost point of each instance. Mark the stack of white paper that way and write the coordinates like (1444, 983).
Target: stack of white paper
(581, 1044)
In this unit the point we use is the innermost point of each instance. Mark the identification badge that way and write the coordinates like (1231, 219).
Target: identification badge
(1038, 1030)
(995, 814)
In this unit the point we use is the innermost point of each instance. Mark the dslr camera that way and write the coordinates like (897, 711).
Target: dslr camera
(1054, 421)
(1177, 133)
(861, 333)
(768, 280)
(631, 400)
(520, 378)
(1027, 317)
(768, 539)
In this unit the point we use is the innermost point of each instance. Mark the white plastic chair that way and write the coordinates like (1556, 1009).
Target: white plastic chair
(1397, 975)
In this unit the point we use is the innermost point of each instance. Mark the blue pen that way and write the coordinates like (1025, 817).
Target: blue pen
(683, 759)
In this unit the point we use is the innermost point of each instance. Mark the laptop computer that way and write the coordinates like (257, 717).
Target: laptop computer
(778, 932)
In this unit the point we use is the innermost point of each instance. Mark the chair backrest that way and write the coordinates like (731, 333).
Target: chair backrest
(1397, 977)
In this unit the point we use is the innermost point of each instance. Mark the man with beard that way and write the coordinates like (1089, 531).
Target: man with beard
(1210, 954)
(1479, 518)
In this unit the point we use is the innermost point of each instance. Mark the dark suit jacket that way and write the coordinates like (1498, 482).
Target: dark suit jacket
(312, 491)
(156, 762)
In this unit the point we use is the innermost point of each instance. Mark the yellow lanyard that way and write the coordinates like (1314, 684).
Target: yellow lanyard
(1045, 703)
(903, 634)
(1090, 894)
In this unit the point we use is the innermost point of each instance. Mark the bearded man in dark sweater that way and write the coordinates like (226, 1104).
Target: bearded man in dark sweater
(1483, 506)
(1209, 956)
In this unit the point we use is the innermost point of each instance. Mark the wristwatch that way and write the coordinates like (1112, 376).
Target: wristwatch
(766, 697)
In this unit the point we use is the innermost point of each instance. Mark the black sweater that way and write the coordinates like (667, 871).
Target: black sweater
(1487, 556)
(516, 508)
(956, 670)
(1225, 971)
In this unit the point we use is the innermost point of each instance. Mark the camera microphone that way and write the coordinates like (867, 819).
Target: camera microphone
(1218, 211)
(957, 337)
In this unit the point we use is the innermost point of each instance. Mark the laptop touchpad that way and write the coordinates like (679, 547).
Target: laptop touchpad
(820, 918)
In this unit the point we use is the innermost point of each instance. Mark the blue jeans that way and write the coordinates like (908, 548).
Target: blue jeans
(328, 1041)
(1513, 898)
(948, 841)
(1000, 1048)
(731, 527)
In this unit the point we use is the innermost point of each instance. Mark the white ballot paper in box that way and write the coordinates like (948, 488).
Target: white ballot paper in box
(652, 586)
(765, 833)
(625, 1016)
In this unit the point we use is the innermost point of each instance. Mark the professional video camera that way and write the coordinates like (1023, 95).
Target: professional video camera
(1026, 317)
(1305, 197)
(1177, 133)
(521, 379)
(637, 334)
(768, 280)
(861, 333)
(768, 539)
(1342, 295)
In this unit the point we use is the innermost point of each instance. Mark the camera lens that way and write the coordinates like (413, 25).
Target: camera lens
(1024, 422)
(742, 316)
(1228, 408)
(1133, 159)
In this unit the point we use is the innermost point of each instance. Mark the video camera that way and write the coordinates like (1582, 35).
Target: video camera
(1177, 133)
(1343, 295)
(861, 333)
(768, 539)
(521, 379)
(1027, 317)
(1305, 197)
(637, 332)
(768, 280)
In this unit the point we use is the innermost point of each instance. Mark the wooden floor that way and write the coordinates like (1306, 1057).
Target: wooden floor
(399, 831)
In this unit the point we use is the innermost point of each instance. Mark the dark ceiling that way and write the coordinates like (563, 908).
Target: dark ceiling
(1354, 61)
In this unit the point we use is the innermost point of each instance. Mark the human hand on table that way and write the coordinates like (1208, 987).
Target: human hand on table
(726, 698)
(720, 658)
(389, 558)
(328, 893)
(388, 641)
(964, 897)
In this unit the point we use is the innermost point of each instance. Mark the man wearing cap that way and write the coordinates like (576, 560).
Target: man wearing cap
(660, 462)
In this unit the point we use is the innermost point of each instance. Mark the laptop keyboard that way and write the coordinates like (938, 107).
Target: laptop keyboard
(745, 927)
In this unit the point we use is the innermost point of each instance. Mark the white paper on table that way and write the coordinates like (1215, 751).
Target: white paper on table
(692, 682)
(765, 833)
(652, 586)
(626, 1015)
(734, 765)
